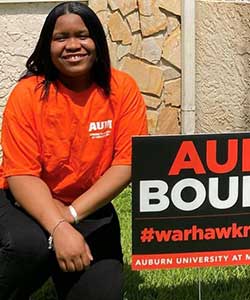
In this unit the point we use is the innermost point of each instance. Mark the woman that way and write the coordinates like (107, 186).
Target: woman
(66, 141)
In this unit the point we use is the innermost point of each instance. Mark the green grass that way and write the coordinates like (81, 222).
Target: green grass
(220, 283)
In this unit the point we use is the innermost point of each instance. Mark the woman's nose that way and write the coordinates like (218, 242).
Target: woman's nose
(72, 44)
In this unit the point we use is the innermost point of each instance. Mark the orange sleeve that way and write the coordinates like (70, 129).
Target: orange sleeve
(21, 155)
(132, 121)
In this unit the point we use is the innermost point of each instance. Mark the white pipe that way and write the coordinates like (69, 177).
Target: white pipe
(188, 67)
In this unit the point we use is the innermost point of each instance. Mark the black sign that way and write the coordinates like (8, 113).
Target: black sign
(191, 200)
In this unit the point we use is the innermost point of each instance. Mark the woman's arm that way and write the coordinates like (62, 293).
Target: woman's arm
(34, 196)
(106, 188)
(113, 181)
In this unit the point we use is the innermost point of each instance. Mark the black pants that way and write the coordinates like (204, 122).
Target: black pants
(26, 263)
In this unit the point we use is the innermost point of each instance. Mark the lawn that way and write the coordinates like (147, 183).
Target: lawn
(227, 283)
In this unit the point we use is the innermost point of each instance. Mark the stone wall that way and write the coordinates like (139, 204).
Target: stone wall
(144, 40)
(222, 66)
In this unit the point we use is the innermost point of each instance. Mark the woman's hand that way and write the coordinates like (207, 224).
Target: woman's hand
(72, 251)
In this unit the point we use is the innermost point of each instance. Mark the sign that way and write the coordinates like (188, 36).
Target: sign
(190, 201)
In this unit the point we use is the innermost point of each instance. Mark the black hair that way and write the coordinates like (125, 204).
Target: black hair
(39, 63)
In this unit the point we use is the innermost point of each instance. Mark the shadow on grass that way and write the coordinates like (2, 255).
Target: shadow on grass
(137, 289)
(46, 292)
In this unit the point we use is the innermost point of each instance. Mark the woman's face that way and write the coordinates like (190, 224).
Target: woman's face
(72, 50)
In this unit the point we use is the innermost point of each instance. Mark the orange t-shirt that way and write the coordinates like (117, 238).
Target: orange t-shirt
(70, 139)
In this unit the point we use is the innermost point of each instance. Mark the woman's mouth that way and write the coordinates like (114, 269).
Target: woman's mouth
(74, 57)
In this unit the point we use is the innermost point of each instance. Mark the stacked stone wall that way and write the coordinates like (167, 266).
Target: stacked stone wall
(145, 40)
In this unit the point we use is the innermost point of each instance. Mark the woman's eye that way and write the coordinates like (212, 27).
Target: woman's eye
(59, 38)
(83, 37)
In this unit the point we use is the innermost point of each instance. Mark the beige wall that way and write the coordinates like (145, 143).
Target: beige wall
(222, 66)
(144, 40)
(19, 27)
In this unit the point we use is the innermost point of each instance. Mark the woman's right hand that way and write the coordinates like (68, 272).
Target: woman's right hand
(72, 251)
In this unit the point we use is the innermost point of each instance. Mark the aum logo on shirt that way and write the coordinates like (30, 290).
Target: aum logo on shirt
(100, 129)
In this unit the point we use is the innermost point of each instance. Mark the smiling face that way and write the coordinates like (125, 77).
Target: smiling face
(72, 50)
